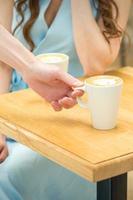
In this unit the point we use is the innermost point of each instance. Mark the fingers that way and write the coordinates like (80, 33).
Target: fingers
(67, 102)
(77, 93)
(3, 154)
(56, 106)
(69, 80)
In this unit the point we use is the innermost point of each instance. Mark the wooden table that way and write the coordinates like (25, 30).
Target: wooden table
(68, 138)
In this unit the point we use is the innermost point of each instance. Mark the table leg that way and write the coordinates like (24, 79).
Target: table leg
(113, 189)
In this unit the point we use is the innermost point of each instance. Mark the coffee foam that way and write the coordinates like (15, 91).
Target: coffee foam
(51, 59)
(104, 80)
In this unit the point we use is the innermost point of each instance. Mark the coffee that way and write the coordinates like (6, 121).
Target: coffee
(104, 81)
(52, 58)
(58, 59)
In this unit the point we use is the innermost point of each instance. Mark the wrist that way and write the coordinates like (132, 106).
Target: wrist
(25, 62)
(22, 58)
(30, 69)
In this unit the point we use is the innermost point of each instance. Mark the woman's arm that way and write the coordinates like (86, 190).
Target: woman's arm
(11, 50)
(6, 8)
(5, 79)
(94, 51)
(6, 12)
(51, 83)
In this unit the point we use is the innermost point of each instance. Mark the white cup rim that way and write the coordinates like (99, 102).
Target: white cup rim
(65, 56)
(105, 86)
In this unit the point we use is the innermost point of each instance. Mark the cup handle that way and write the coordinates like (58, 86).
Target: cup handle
(81, 103)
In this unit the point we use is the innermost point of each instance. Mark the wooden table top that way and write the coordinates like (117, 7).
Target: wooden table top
(67, 137)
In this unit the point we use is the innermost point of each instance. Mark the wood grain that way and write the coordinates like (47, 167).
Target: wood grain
(67, 137)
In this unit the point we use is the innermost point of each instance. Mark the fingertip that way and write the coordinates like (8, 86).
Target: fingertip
(67, 102)
(56, 106)
(77, 93)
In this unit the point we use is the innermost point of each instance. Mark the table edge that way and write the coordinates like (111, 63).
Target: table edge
(92, 172)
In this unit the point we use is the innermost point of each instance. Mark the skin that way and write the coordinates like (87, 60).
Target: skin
(98, 55)
(35, 73)
(53, 85)
(5, 71)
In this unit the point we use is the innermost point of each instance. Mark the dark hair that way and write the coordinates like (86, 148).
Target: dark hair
(108, 11)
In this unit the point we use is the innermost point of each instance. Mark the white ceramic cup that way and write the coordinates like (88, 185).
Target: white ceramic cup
(102, 101)
(59, 59)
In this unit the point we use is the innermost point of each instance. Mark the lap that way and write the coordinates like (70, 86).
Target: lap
(36, 177)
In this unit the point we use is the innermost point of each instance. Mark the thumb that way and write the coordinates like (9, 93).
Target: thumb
(70, 80)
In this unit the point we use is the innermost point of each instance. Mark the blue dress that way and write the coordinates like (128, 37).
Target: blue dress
(26, 175)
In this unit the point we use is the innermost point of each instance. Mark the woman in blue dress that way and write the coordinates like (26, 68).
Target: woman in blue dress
(89, 33)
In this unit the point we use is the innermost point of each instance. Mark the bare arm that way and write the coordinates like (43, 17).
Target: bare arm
(6, 9)
(14, 53)
(50, 83)
(94, 52)
(5, 78)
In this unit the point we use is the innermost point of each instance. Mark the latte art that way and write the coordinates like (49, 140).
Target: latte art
(104, 81)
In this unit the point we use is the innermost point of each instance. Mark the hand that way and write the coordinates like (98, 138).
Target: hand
(3, 148)
(53, 84)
